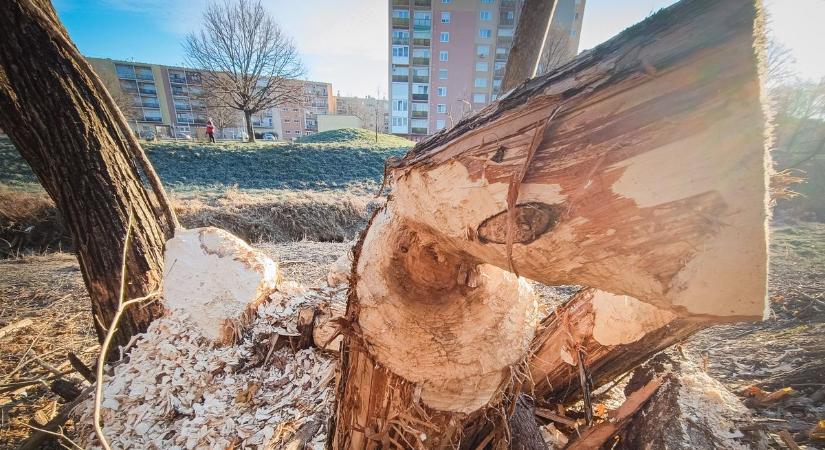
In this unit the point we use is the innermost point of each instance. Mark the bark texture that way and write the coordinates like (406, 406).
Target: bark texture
(61, 119)
(638, 169)
(528, 43)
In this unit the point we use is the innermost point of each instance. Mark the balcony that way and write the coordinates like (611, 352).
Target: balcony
(146, 76)
(401, 41)
(508, 4)
(419, 114)
(400, 2)
(422, 25)
(183, 107)
(177, 90)
(150, 104)
(400, 78)
(423, 3)
(146, 91)
(177, 79)
(420, 97)
(501, 57)
(421, 42)
(400, 22)
(420, 61)
(504, 40)
(421, 79)
(504, 21)
(418, 130)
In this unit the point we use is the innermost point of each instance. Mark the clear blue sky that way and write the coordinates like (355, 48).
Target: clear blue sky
(345, 41)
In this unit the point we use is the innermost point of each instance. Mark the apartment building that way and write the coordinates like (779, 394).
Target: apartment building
(368, 109)
(447, 57)
(169, 101)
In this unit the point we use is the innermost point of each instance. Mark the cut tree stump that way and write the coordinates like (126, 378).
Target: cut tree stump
(638, 169)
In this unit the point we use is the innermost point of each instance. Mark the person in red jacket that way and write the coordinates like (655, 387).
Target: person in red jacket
(210, 130)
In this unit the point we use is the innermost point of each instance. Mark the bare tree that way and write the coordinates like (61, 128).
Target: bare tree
(557, 50)
(249, 62)
(779, 63)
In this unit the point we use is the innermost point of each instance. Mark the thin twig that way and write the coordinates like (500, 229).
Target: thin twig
(104, 349)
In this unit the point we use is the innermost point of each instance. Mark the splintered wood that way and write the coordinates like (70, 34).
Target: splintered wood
(179, 390)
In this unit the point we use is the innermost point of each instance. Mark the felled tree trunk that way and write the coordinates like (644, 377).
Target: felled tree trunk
(61, 119)
(637, 169)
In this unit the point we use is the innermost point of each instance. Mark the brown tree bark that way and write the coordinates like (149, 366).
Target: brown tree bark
(532, 31)
(637, 169)
(66, 126)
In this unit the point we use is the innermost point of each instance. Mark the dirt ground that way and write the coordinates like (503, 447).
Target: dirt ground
(787, 350)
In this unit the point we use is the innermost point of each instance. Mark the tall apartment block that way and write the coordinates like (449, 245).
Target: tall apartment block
(447, 57)
(168, 101)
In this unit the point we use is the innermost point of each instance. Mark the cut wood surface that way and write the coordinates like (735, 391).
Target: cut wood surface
(648, 181)
(637, 169)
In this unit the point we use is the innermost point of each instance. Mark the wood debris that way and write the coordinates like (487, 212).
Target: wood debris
(180, 390)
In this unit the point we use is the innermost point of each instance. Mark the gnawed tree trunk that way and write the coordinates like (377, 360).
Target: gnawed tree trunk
(604, 336)
(64, 123)
(638, 169)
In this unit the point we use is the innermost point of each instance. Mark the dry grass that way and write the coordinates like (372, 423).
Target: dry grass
(50, 291)
(30, 223)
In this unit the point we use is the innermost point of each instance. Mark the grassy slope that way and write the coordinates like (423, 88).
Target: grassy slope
(331, 160)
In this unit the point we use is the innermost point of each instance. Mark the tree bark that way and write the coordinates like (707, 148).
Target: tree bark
(637, 169)
(61, 119)
(249, 129)
(532, 31)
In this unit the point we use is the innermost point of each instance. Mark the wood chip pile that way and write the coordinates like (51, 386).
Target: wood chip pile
(179, 390)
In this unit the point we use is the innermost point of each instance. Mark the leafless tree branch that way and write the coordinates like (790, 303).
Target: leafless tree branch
(251, 65)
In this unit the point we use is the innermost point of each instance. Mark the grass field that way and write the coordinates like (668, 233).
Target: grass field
(338, 159)
(320, 188)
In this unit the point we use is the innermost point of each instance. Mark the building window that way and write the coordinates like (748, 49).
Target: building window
(402, 51)
(485, 15)
(442, 91)
(482, 67)
(445, 36)
(485, 33)
(480, 82)
(480, 98)
(483, 51)
(443, 55)
(400, 13)
(442, 74)
(486, 2)
(445, 17)
(573, 32)
(441, 107)
(445, 1)
(399, 105)
(440, 124)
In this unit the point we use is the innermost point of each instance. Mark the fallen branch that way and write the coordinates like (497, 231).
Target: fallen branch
(596, 436)
(10, 328)
(48, 431)
(81, 368)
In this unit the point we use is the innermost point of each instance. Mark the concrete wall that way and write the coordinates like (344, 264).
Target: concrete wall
(336, 122)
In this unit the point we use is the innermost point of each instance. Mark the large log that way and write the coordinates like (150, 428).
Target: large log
(638, 169)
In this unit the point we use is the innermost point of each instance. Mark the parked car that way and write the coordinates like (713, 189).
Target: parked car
(269, 137)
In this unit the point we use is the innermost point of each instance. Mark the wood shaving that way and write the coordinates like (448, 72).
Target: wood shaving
(178, 390)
